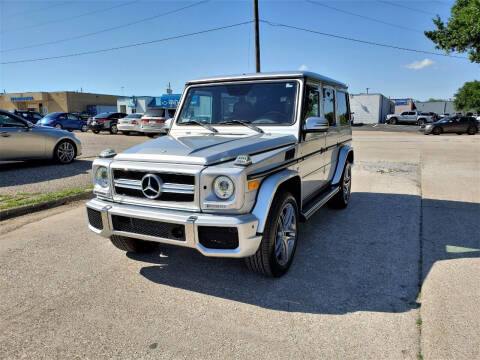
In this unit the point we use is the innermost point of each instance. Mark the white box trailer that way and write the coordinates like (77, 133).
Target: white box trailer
(370, 108)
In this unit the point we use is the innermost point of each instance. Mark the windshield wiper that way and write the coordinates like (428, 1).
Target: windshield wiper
(205, 125)
(244, 123)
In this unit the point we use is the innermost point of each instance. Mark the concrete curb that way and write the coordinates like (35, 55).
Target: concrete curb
(31, 208)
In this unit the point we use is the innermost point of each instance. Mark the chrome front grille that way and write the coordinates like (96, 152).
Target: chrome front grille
(174, 187)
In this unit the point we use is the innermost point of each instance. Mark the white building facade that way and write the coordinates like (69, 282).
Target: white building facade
(370, 108)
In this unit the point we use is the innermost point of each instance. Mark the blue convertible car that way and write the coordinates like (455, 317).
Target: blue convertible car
(63, 120)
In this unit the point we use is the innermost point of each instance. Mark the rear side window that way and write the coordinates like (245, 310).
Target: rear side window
(102, 116)
(342, 108)
(329, 106)
(312, 102)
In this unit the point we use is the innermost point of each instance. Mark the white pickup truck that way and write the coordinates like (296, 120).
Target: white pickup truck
(410, 117)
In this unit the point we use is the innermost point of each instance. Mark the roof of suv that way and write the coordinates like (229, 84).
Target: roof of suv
(269, 76)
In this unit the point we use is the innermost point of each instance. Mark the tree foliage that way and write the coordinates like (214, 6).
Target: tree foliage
(435, 100)
(462, 31)
(468, 97)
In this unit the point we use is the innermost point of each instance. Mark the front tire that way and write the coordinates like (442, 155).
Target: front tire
(437, 131)
(58, 126)
(421, 122)
(84, 128)
(132, 245)
(279, 242)
(65, 152)
(471, 130)
(393, 121)
(342, 198)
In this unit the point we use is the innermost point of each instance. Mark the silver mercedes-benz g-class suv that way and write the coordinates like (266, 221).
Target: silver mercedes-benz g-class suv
(247, 158)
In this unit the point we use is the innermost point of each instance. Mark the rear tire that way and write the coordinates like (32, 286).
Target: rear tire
(58, 126)
(471, 130)
(133, 245)
(393, 121)
(437, 131)
(84, 128)
(342, 198)
(421, 122)
(279, 242)
(65, 152)
(113, 129)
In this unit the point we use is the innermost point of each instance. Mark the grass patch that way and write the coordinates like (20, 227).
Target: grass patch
(420, 357)
(20, 199)
(419, 322)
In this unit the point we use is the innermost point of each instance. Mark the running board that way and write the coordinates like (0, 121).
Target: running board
(318, 203)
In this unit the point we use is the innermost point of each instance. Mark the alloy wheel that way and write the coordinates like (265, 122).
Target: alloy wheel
(347, 182)
(65, 152)
(286, 234)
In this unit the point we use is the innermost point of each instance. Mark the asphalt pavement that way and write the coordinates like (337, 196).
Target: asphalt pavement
(351, 292)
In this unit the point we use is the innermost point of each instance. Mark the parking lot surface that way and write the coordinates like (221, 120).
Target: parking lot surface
(351, 292)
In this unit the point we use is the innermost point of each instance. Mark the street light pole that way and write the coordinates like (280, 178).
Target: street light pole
(257, 39)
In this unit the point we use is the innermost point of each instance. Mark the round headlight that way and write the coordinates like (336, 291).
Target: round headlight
(101, 177)
(223, 187)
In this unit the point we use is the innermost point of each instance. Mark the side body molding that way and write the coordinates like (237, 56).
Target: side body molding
(342, 159)
(266, 194)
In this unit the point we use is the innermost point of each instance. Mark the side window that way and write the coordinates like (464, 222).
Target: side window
(404, 113)
(71, 117)
(411, 113)
(342, 109)
(329, 106)
(63, 117)
(7, 121)
(171, 113)
(312, 102)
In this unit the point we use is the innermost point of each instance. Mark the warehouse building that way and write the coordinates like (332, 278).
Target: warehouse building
(402, 105)
(140, 104)
(437, 107)
(47, 102)
(370, 108)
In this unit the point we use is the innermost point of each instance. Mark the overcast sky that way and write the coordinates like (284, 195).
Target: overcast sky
(147, 69)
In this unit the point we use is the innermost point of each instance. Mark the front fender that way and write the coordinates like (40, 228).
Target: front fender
(267, 193)
(343, 156)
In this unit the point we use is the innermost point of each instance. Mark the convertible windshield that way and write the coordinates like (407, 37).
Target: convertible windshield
(271, 103)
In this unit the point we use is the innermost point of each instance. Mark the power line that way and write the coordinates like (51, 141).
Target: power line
(359, 40)
(107, 29)
(71, 17)
(38, 10)
(406, 7)
(128, 45)
(364, 17)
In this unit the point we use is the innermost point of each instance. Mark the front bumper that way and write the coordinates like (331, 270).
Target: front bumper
(245, 225)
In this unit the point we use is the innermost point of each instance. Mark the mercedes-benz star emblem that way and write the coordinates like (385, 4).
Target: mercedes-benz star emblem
(151, 186)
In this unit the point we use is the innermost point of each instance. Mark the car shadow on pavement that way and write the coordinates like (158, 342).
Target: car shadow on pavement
(30, 172)
(363, 258)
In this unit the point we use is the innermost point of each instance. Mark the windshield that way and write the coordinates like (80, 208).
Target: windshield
(155, 113)
(133, 116)
(271, 103)
(102, 115)
(445, 119)
(52, 115)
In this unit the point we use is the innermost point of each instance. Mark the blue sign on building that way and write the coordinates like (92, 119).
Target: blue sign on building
(166, 101)
(401, 101)
(24, 98)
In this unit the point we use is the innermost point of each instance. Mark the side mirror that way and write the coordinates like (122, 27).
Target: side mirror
(316, 124)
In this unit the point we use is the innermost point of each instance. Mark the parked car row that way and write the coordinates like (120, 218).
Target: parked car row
(24, 140)
(458, 124)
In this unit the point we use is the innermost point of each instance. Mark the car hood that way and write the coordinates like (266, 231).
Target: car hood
(203, 150)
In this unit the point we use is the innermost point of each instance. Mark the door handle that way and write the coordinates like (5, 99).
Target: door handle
(4, 134)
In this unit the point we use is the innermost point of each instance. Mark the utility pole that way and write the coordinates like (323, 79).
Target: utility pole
(257, 39)
(367, 90)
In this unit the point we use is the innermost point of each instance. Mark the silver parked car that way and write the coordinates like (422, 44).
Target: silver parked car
(130, 123)
(22, 140)
(247, 158)
(153, 121)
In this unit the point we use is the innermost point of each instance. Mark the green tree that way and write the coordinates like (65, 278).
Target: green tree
(462, 31)
(468, 97)
(435, 100)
